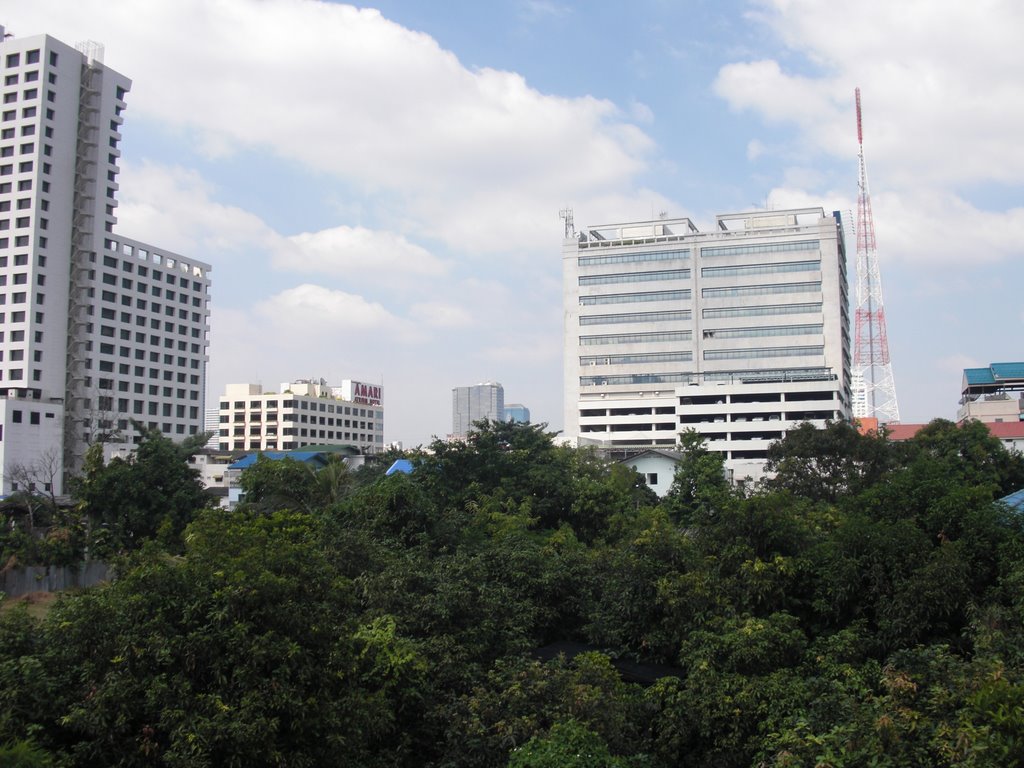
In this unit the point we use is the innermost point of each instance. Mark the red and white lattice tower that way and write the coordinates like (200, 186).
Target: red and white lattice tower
(874, 388)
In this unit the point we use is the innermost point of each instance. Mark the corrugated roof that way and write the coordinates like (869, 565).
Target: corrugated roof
(1015, 500)
(978, 376)
(996, 376)
(401, 465)
(1007, 370)
(249, 460)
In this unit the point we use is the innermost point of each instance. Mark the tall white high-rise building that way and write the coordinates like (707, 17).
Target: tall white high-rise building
(98, 329)
(475, 403)
(739, 333)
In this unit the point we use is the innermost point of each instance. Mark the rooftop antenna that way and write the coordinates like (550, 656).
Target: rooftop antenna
(570, 228)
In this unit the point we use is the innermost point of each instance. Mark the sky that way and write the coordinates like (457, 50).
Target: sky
(378, 188)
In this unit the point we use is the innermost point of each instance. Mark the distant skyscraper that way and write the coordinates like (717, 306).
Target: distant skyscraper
(97, 331)
(469, 404)
(518, 413)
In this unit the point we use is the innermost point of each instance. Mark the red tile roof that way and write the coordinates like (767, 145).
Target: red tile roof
(903, 431)
(1004, 430)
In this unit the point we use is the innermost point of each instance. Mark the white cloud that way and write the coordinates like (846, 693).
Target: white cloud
(317, 310)
(943, 113)
(525, 351)
(176, 208)
(346, 250)
(346, 92)
(942, 98)
(440, 315)
(641, 113)
(541, 10)
(922, 227)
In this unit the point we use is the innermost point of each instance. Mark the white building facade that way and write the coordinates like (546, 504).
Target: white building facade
(739, 333)
(302, 413)
(97, 329)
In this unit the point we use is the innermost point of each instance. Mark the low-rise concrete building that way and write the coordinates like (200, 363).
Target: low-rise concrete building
(302, 413)
(993, 394)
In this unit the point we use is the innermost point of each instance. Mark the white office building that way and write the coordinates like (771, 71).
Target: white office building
(97, 329)
(739, 333)
(302, 413)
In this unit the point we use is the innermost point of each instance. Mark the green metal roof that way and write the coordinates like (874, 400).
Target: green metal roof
(997, 376)
(978, 376)
(1007, 370)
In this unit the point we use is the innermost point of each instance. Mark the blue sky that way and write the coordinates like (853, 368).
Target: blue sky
(377, 188)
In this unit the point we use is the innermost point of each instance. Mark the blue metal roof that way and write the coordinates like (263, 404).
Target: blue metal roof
(401, 465)
(248, 461)
(1015, 500)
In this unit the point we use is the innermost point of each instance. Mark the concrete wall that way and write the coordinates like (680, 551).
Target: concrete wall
(40, 578)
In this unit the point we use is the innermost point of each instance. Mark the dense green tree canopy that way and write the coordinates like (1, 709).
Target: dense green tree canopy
(865, 606)
(151, 493)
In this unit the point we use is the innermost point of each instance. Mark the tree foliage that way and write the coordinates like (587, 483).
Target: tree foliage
(863, 607)
(152, 493)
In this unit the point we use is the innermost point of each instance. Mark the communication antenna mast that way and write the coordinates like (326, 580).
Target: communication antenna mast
(874, 388)
(570, 228)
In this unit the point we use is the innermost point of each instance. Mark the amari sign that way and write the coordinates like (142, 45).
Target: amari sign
(369, 394)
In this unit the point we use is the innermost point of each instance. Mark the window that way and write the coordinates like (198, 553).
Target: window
(761, 290)
(761, 269)
(770, 330)
(742, 250)
(628, 258)
(762, 352)
(636, 338)
(652, 357)
(627, 298)
(637, 378)
(635, 277)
